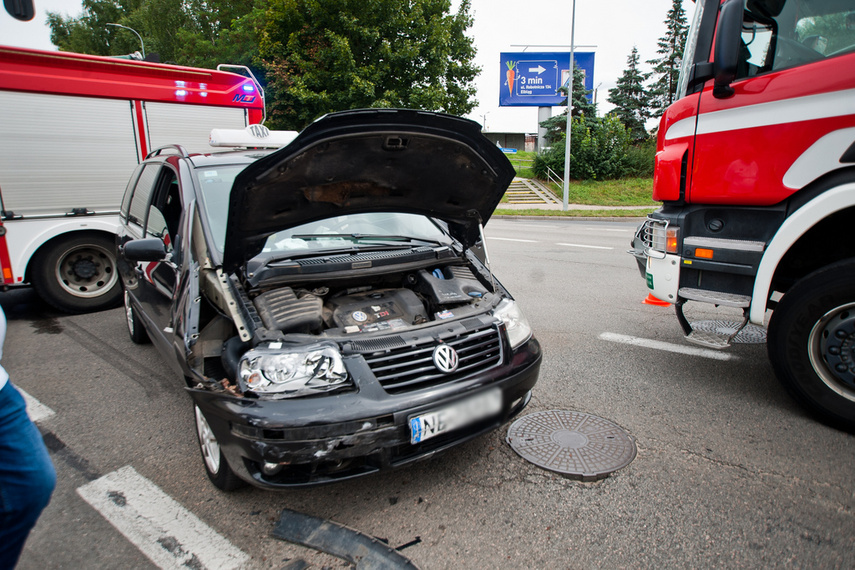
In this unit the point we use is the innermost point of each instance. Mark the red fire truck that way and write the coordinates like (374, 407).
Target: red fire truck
(72, 129)
(755, 168)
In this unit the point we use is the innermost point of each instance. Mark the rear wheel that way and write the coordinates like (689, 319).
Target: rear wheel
(219, 472)
(79, 274)
(135, 327)
(811, 343)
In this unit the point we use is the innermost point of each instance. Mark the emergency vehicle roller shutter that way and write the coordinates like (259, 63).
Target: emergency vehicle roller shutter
(58, 153)
(188, 125)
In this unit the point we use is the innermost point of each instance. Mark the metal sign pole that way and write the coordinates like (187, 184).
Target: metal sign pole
(569, 108)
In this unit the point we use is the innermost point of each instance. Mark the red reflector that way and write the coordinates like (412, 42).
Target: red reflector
(704, 253)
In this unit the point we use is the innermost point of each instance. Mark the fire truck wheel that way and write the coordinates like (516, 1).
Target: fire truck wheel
(811, 343)
(78, 275)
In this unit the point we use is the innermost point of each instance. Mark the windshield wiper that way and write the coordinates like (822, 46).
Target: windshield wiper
(366, 237)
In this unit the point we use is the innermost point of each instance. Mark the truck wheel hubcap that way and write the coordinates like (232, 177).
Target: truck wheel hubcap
(831, 346)
(87, 271)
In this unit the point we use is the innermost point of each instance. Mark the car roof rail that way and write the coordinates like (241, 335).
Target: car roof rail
(176, 148)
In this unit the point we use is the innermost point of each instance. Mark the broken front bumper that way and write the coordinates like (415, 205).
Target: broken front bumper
(311, 441)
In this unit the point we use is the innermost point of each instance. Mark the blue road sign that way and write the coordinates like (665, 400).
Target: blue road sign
(536, 79)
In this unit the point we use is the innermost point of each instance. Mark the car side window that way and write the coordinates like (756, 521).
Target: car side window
(164, 214)
(780, 35)
(142, 193)
(129, 192)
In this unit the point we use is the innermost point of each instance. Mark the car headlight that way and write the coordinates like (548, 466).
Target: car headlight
(517, 325)
(291, 373)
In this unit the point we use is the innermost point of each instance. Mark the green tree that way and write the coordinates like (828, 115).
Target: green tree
(188, 32)
(329, 55)
(666, 68)
(556, 127)
(631, 99)
(598, 151)
(89, 33)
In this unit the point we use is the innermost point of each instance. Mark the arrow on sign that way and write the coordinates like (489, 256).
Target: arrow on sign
(539, 69)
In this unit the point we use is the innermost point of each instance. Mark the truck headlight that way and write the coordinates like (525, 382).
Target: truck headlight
(291, 373)
(516, 324)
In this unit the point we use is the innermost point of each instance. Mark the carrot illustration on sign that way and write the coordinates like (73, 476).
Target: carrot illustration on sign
(510, 75)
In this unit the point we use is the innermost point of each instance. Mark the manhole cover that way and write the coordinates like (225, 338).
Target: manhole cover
(572, 443)
(751, 334)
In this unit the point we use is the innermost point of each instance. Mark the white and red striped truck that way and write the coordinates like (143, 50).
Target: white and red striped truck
(72, 129)
(755, 169)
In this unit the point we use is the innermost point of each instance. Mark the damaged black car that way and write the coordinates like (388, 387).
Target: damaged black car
(329, 304)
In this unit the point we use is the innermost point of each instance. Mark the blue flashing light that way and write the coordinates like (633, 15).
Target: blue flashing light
(180, 92)
(248, 88)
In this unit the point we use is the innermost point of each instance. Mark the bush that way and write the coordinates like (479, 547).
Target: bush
(600, 151)
(640, 159)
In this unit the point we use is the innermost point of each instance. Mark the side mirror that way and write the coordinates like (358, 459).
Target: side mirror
(149, 249)
(23, 10)
(727, 44)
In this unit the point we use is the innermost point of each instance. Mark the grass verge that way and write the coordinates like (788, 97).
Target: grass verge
(624, 192)
(575, 213)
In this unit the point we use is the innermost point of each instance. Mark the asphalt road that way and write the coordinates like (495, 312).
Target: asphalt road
(729, 472)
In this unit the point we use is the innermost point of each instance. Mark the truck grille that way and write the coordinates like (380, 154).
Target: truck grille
(411, 368)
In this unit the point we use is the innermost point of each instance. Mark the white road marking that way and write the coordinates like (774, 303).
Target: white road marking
(519, 225)
(167, 533)
(512, 239)
(610, 230)
(667, 346)
(582, 245)
(35, 409)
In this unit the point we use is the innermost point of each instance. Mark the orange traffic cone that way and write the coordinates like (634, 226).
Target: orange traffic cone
(651, 300)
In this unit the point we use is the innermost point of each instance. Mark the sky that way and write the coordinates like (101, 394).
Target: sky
(609, 28)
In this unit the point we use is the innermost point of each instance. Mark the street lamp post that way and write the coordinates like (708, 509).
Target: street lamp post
(569, 109)
(142, 45)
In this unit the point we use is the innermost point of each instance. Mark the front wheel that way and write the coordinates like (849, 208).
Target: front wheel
(219, 472)
(811, 343)
(78, 274)
(135, 327)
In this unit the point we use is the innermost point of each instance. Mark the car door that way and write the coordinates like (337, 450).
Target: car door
(154, 213)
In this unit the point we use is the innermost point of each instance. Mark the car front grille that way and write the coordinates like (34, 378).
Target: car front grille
(411, 367)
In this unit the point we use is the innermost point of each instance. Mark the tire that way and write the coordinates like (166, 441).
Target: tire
(811, 343)
(216, 466)
(135, 327)
(78, 275)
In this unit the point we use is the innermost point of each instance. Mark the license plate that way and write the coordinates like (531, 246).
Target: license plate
(457, 415)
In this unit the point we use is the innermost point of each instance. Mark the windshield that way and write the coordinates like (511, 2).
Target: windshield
(689, 50)
(351, 230)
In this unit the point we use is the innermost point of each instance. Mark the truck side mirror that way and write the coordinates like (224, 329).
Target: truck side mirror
(23, 10)
(727, 44)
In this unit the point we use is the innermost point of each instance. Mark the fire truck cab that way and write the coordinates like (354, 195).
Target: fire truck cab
(755, 169)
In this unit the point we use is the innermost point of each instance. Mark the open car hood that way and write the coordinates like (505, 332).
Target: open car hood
(376, 160)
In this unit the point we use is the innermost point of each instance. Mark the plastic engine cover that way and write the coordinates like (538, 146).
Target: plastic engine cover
(281, 310)
(381, 309)
(454, 285)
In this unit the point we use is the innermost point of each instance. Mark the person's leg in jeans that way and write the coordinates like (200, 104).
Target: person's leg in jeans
(27, 476)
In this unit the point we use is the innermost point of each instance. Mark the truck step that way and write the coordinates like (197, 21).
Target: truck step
(709, 339)
(714, 297)
(719, 337)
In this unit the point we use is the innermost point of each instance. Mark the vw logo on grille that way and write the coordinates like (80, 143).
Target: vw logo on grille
(445, 359)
